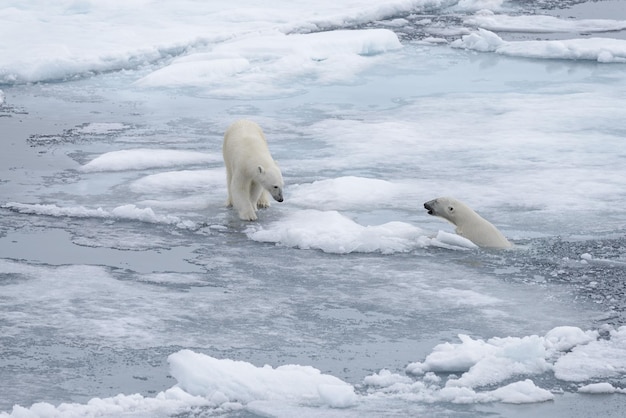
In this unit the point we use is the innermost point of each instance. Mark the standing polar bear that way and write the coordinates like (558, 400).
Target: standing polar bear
(468, 223)
(252, 175)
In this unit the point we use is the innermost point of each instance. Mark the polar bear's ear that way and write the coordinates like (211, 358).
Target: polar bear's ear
(261, 169)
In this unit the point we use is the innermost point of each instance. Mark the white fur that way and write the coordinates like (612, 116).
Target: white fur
(252, 175)
(468, 223)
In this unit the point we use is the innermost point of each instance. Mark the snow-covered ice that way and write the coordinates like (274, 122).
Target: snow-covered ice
(597, 49)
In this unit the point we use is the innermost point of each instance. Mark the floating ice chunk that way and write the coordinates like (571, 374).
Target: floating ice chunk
(54, 210)
(587, 258)
(452, 358)
(604, 50)
(333, 232)
(385, 378)
(183, 181)
(123, 212)
(601, 358)
(522, 392)
(138, 159)
(541, 24)
(604, 387)
(485, 362)
(572, 354)
(511, 357)
(337, 396)
(565, 338)
(170, 402)
(481, 40)
(517, 393)
(246, 63)
(195, 72)
(447, 240)
(239, 381)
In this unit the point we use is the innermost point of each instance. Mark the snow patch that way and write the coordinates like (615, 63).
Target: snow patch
(605, 50)
(127, 212)
(139, 159)
(541, 24)
(238, 381)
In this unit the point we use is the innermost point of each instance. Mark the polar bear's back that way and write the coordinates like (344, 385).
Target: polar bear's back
(481, 232)
(244, 142)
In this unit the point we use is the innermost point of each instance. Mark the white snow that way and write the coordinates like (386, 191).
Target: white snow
(255, 63)
(123, 212)
(239, 381)
(600, 358)
(205, 43)
(599, 388)
(138, 159)
(78, 38)
(605, 50)
(486, 19)
(572, 354)
(191, 181)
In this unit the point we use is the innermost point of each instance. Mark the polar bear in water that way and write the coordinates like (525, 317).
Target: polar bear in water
(468, 223)
(252, 175)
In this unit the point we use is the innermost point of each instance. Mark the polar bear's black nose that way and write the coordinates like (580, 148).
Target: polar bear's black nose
(428, 207)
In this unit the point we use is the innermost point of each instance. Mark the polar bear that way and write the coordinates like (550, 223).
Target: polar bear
(468, 223)
(252, 175)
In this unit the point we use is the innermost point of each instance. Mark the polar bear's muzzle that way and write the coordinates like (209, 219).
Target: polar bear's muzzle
(429, 206)
(277, 195)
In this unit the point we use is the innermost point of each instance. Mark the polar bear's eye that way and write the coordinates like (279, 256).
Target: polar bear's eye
(450, 208)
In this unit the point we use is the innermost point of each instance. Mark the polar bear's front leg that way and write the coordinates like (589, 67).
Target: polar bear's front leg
(245, 210)
(256, 193)
(264, 200)
(240, 198)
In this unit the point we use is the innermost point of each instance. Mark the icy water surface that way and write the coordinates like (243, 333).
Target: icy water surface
(128, 288)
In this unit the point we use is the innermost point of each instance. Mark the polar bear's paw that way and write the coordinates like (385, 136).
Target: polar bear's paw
(247, 215)
(264, 201)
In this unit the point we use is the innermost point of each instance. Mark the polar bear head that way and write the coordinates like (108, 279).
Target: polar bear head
(448, 208)
(272, 180)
